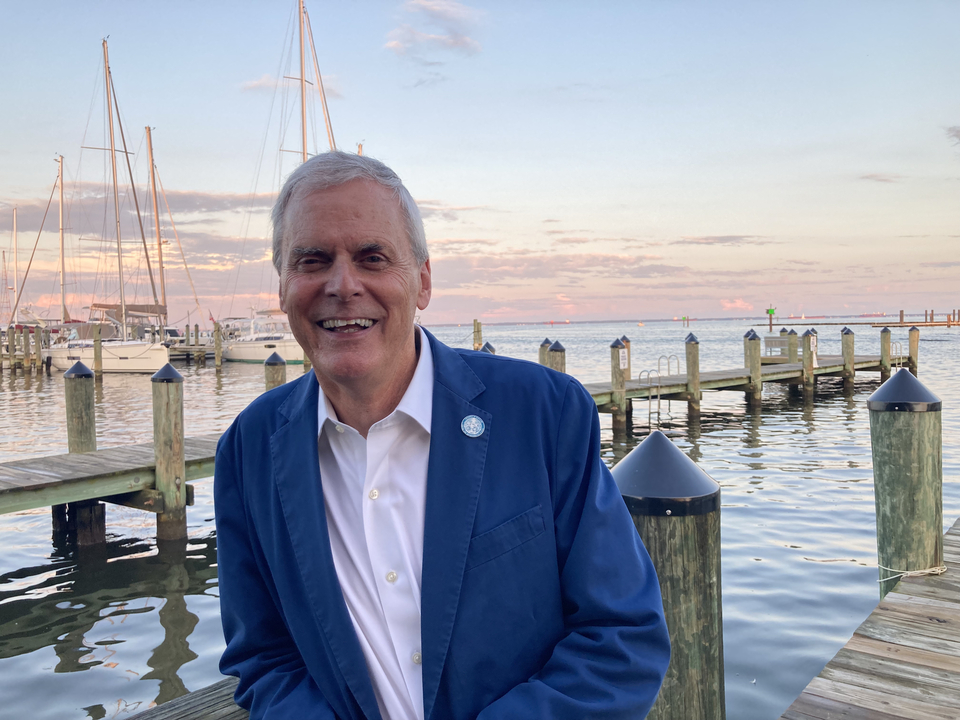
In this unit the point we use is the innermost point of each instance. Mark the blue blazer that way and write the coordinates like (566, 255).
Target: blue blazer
(538, 598)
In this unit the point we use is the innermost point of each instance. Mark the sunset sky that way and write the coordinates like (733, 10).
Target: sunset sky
(571, 160)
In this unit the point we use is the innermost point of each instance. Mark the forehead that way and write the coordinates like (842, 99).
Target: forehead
(357, 206)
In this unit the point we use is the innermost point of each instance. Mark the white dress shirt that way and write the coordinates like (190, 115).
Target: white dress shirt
(375, 493)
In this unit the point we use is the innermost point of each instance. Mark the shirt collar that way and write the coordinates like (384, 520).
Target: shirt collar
(417, 401)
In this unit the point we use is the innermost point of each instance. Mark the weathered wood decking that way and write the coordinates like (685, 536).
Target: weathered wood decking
(903, 662)
(124, 475)
(737, 378)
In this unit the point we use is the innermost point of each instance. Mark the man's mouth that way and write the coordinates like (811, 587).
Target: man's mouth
(347, 326)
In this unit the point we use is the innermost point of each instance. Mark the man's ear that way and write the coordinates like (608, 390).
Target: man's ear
(426, 285)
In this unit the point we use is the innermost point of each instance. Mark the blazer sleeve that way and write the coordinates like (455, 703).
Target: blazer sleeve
(274, 680)
(612, 659)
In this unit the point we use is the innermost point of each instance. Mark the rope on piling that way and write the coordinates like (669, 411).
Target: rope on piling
(939, 570)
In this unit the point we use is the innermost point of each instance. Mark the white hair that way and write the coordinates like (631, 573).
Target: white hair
(335, 168)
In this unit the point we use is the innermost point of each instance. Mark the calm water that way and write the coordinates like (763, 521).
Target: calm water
(108, 635)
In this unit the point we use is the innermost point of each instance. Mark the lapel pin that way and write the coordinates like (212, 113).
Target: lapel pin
(472, 426)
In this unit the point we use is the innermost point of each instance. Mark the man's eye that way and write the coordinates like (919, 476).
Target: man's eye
(374, 259)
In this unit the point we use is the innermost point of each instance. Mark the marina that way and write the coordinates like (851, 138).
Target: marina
(779, 463)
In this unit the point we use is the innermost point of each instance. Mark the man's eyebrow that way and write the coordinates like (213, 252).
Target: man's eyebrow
(299, 252)
(370, 247)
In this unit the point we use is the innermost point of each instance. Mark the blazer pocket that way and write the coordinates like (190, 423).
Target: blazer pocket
(505, 537)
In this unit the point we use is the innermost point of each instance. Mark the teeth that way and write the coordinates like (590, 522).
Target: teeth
(362, 322)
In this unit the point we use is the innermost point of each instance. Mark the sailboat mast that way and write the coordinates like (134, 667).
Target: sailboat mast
(156, 219)
(16, 267)
(116, 194)
(303, 89)
(63, 291)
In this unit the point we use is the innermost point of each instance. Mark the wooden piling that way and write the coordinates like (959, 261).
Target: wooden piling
(809, 379)
(97, 353)
(477, 335)
(199, 353)
(675, 507)
(3, 349)
(488, 348)
(274, 371)
(913, 362)
(906, 439)
(618, 396)
(15, 351)
(217, 347)
(626, 341)
(168, 447)
(544, 349)
(901, 317)
(847, 345)
(792, 349)
(694, 394)
(753, 362)
(557, 357)
(27, 350)
(45, 343)
(87, 517)
(885, 354)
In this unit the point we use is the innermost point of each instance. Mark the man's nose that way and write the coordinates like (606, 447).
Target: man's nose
(343, 280)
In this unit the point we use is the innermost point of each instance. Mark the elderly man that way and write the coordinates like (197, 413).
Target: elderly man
(411, 531)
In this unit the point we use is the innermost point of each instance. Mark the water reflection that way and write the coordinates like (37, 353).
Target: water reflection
(70, 595)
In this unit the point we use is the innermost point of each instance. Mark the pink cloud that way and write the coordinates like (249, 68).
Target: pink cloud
(738, 304)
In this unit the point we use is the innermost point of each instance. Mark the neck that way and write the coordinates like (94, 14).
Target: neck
(362, 403)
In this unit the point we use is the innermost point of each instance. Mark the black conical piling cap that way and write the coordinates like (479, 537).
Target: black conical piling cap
(545, 343)
(914, 328)
(618, 343)
(904, 393)
(748, 333)
(692, 339)
(657, 478)
(624, 339)
(557, 347)
(488, 348)
(783, 331)
(753, 335)
(274, 359)
(808, 333)
(792, 332)
(167, 374)
(78, 370)
(885, 330)
(814, 331)
(846, 331)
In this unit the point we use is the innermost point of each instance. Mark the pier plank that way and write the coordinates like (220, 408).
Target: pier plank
(210, 703)
(903, 662)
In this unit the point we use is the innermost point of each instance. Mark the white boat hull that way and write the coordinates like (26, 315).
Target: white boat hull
(256, 351)
(117, 357)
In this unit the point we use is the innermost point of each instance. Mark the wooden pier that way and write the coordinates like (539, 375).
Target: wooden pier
(903, 662)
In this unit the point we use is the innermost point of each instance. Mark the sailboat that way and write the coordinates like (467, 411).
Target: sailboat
(122, 354)
(256, 338)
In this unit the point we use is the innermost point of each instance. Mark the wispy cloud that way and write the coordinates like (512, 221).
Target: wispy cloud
(448, 25)
(723, 240)
(736, 304)
(269, 82)
(438, 210)
(941, 264)
(882, 177)
(954, 134)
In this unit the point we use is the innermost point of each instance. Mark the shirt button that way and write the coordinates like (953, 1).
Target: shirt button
(339, 428)
(374, 494)
(391, 577)
(417, 658)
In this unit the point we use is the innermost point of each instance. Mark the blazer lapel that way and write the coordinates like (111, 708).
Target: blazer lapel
(297, 474)
(454, 475)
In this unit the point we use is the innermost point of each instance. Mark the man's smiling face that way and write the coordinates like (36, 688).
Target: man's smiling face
(350, 283)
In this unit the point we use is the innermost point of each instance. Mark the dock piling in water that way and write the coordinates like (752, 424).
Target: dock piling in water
(97, 353)
(906, 440)
(544, 349)
(618, 374)
(477, 335)
(86, 517)
(557, 357)
(274, 371)
(847, 339)
(792, 347)
(675, 507)
(753, 362)
(885, 354)
(168, 448)
(218, 347)
(809, 379)
(913, 363)
(694, 394)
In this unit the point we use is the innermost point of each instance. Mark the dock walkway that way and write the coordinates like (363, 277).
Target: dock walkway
(903, 662)
(675, 386)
